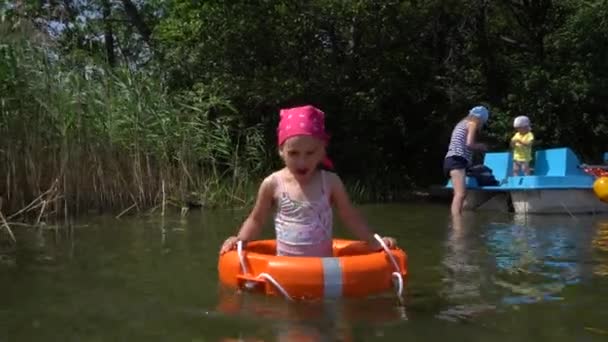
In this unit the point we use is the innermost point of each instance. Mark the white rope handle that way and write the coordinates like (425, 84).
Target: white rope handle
(397, 273)
(276, 284)
(239, 251)
(388, 251)
(399, 278)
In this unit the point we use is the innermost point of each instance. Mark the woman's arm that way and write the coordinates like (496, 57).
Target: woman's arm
(472, 128)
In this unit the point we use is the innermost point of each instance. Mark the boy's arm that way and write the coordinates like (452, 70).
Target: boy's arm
(527, 140)
(516, 141)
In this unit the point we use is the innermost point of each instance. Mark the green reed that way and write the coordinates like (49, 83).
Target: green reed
(74, 137)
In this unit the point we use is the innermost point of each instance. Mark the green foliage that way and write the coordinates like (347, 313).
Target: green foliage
(200, 83)
(112, 137)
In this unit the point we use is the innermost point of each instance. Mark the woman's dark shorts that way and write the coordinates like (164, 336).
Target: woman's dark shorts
(454, 163)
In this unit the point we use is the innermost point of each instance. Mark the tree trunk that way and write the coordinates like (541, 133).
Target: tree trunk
(487, 54)
(137, 20)
(108, 33)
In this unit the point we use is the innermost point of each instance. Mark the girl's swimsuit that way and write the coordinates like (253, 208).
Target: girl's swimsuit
(303, 228)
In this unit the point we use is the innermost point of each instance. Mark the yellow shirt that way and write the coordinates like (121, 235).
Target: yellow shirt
(523, 153)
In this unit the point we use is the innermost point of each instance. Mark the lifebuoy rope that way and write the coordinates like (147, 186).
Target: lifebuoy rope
(239, 250)
(396, 274)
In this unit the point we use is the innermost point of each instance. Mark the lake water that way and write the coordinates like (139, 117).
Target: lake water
(490, 276)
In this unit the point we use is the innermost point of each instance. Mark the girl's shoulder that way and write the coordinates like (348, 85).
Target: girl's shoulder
(271, 181)
(331, 178)
(329, 173)
(274, 175)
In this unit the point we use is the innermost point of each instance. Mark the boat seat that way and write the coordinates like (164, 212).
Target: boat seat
(557, 162)
(501, 165)
(553, 168)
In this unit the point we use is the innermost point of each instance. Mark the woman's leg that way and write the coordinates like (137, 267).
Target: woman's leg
(458, 184)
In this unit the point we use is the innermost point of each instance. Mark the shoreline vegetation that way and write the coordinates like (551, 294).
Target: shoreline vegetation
(137, 106)
(74, 140)
(95, 140)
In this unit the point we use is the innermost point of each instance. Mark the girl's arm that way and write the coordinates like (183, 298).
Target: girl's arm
(256, 219)
(351, 216)
(471, 136)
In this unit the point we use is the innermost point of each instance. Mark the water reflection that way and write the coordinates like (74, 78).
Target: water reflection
(600, 244)
(308, 321)
(522, 260)
(146, 280)
(464, 275)
(536, 257)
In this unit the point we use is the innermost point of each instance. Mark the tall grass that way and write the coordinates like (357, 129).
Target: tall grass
(75, 137)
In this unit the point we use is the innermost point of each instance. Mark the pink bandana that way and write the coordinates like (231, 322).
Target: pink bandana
(305, 120)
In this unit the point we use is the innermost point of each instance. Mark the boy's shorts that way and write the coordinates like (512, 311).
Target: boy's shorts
(454, 163)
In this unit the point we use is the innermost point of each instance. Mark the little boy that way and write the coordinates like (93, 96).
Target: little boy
(521, 143)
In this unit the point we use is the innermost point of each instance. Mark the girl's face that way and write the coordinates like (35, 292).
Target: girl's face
(523, 130)
(302, 155)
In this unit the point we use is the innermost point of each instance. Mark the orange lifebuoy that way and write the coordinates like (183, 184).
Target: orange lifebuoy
(353, 271)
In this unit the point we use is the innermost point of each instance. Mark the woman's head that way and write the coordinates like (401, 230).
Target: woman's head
(302, 139)
(479, 113)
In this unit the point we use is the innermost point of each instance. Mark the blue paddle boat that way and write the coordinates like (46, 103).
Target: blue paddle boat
(557, 185)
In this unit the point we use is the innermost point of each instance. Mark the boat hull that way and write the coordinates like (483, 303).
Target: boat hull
(571, 201)
(558, 185)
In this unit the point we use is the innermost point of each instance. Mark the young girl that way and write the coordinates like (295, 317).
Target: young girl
(302, 193)
(460, 153)
(521, 143)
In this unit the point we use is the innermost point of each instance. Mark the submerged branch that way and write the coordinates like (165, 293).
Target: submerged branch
(126, 210)
(7, 227)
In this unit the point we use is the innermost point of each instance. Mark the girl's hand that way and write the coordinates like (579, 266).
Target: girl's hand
(389, 242)
(229, 244)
